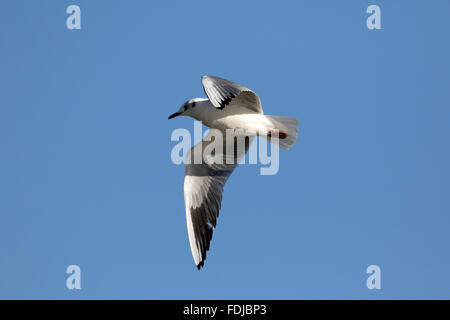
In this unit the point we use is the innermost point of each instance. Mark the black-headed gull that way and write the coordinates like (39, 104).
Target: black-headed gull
(228, 106)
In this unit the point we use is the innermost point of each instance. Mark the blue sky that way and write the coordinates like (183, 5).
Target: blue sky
(85, 170)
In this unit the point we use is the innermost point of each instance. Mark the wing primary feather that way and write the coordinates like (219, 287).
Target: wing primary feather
(203, 188)
(222, 92)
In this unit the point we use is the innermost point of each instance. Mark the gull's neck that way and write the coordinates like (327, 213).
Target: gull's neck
(204, 111)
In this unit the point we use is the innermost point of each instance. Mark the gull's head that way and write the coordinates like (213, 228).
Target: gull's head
(189, 108)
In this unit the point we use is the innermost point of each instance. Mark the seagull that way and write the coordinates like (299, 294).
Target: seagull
(228, 106)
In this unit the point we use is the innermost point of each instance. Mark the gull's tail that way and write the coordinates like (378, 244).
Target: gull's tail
(287, 129)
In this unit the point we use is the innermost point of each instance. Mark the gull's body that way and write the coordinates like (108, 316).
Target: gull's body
(229, 106)
(229, 118)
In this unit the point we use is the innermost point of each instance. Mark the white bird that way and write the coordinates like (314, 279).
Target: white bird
(229, 106)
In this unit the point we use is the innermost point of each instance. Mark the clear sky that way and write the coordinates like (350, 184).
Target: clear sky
(85, 170)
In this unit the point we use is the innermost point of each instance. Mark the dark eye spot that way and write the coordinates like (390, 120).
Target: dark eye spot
(193, 104)
(185, 107)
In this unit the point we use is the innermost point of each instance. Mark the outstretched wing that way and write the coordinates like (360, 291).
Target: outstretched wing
(205, 177)
(223, 92)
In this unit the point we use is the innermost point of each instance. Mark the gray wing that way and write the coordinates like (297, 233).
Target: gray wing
(203, 186)
(223, 92)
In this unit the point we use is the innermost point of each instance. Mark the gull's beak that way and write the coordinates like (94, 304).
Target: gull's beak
(176, 114)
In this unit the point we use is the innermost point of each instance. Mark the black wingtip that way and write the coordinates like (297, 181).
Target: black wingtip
(201, 264)
(227, 101)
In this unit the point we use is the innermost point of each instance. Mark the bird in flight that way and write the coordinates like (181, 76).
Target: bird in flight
(228, 106)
